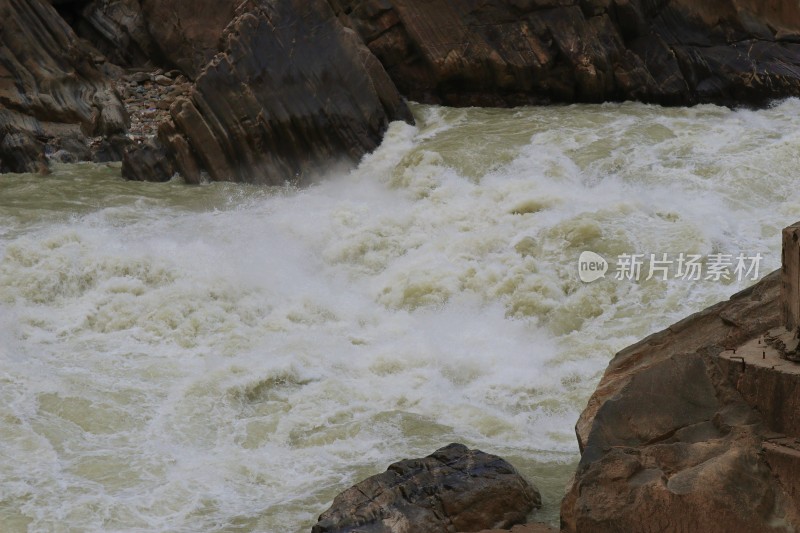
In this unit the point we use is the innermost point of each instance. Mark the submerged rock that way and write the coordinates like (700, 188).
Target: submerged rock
(50, 88)
(453, 489)
(147, 162)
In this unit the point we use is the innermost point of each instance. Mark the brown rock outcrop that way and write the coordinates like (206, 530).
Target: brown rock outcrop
(511, 52)
(725, 325)
(453, 489)
(51, 93)
(189, 34)
(675, 439)
(292, 92)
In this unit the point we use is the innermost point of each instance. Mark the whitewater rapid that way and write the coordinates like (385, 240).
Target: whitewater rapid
(229, 358)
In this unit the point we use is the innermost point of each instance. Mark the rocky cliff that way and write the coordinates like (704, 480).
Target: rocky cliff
(282, 88)
(682, 434)
(53, 94)
(511, 52)
(291, 92)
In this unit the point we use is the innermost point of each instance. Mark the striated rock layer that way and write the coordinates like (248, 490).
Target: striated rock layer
(676, 438)
(511, 52)
(453, 489)
(292, 92)
(52, 95)
(291, 89)
(283, 88)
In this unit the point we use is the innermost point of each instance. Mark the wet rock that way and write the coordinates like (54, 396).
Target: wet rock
(453, 489)
(292, 92)
(186, 161)
(22, 152)
(669, 442)
(162, 80)
(50, 88)
(147, 162)
(110, 149)
(63, 156)
(500, 52)
(69, 150)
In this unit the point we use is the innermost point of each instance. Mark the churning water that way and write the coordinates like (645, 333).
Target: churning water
(229, 358)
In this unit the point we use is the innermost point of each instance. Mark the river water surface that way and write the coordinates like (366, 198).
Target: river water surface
(229, 358)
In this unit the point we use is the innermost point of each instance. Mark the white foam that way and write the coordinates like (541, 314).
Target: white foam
(185, 359)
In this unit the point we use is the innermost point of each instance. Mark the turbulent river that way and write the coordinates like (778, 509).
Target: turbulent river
(229, 358)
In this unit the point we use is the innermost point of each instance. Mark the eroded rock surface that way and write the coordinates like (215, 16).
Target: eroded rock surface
(117, 28)
(292, 92)
(52, 95)
(511, 52)
(453, 489)
(724, 325)
(673, 441)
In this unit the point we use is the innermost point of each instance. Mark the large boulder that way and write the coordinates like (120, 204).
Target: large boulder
(510, 52)
(672, 442)
(723, 325)
(453, 489)
(51, 93)
(291, 92)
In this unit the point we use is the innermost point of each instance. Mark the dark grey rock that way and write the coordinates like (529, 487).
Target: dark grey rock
(292, 91)
(147, 162)
(502, 52)
(50, 88)
(453, 489)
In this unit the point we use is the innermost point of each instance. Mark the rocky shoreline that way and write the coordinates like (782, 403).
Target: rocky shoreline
(269, 92)
(681, 434)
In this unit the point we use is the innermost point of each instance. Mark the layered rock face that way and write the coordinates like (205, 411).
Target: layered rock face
(117, 28)
(285, 91)
(453, 489)
(52, 95)
(292, 92)
(511, 52)
(675, 438)
(285, 87)
(139, 33)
